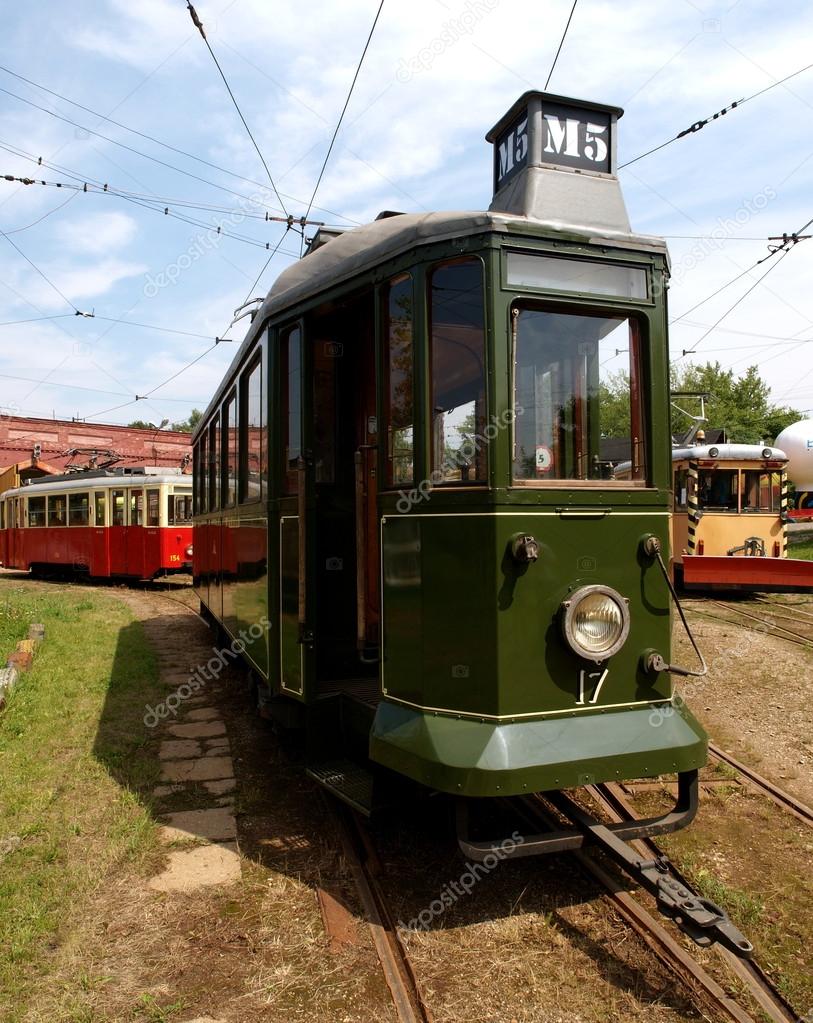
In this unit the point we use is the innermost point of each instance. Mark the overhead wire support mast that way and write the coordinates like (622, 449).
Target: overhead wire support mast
(698, 125)
(199, 26)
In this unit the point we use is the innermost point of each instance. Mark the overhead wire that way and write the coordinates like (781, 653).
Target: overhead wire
(344, 108)
(159, 142)
(199, 26)
(39, 220)
(693, 349)
(158, 206)
(698, 125)
(40, 272)
(561, 44)
(82, 387)
(162, 163)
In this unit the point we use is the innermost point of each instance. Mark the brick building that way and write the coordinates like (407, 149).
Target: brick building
(37, 447)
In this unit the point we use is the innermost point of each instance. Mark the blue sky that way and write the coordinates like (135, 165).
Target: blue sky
(438, 74)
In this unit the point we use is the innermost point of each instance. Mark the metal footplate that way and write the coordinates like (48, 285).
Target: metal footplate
(704, 921)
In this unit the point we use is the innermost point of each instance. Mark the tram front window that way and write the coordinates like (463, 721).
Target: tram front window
(577, 417)
(719, 490)
(761, 492)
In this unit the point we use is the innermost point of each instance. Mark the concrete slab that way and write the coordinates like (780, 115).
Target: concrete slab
(220, 788)
(168, 790)
(198, 730)
(203, 714)
(215, 825)
(188, 869)
(179, 749)
(206, 769)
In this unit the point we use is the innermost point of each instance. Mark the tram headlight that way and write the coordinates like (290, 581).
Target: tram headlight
(595, 622)
(190, 550)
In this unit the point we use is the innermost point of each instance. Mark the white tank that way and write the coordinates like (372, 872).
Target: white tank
(797, 443)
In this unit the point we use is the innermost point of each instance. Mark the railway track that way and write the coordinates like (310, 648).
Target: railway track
(611, 799)
(364, 866)
(767, 788)
(768, 626)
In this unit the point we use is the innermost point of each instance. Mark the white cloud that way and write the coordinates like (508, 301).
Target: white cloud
(97, 233)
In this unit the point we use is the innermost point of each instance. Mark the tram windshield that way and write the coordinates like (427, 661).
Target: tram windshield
(574, 419)
(738, 491)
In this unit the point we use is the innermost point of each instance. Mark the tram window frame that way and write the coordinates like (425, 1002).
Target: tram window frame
(682, 489)
(82, 513)
(39, 513)
(228, 451)
(57, 508)
(213, 463)
(290, 340)
(115, 508)
(400, 431)
(774, 486)
(638, 464)
(202, 482)
(137, 507)
(174, 500)
(100, 505)
(152, 511)
(252, 394)
(440, 461)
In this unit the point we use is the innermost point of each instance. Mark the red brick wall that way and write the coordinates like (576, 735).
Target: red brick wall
(18, 436)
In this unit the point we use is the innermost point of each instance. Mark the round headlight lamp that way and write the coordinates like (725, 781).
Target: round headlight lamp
(595, 622)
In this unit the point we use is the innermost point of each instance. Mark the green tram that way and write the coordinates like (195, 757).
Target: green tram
(406, 477)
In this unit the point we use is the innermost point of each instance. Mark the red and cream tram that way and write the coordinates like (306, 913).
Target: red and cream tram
(102, 523)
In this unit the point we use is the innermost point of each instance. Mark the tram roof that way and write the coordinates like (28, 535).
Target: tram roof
(95, 480)
(729, 453)
(362, 248)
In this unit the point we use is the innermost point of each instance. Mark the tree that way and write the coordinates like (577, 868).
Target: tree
(139, 424)
(739, 405)
(188, 425)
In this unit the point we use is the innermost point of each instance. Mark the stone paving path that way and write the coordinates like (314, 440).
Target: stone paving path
(197, 773)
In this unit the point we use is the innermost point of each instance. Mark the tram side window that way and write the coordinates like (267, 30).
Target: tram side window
(457, 360)
(36, 511)
(229, 451)
(399, 414)
(57, 513)
(202, 477)
(761, 491)
(100, 505)
(118, 508)
(179, 509)
(136, 507)
(214, 466)
(290, 352)
(565, 429)
(681, 488)
(79, 509)
(253, 472)
(153, 508)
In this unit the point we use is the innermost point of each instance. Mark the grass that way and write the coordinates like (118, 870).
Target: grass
(803, 549)
(74, 766)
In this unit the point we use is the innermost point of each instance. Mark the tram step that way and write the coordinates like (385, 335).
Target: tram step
(347, 781)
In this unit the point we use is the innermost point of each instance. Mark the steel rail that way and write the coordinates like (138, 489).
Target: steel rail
(796, 637)
(798, 641)
(667, 950)
(398, 973)
(767, 788)
(611, 798)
